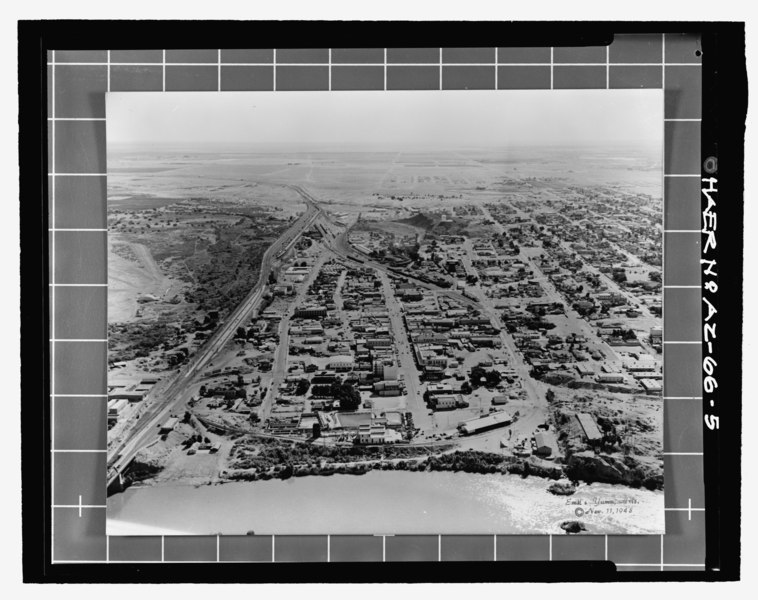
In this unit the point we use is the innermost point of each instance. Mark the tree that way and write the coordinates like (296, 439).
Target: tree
(349, 398)
(321, 390)
(493, 378)
(413, 251)
(466, 388)
(302, 387)
(476, 376)
(550, 395)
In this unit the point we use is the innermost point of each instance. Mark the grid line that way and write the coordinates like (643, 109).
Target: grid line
(607, 68)
(76, 229)
(378, 64)
(53, 304)
(385, 69)
(682, 454)
(79, 340)
(184, 562)
(77, 174)
(78, 285)
(497, 68)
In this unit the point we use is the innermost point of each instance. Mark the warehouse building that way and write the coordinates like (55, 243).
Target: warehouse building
(497, 419)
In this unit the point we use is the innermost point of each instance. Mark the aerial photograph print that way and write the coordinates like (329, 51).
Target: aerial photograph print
(417, 312)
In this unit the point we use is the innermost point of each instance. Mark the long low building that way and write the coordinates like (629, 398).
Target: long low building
(589, 426)
(651, 385)
(310, 312)
(491, 421)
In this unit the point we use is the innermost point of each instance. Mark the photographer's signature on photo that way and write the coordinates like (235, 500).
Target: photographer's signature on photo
(602, 506)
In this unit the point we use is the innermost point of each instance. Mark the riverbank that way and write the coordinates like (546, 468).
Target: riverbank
(465, 462)
(253, 459)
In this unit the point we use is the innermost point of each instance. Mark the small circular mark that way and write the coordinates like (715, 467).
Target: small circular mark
(698, 53)
(711, 165)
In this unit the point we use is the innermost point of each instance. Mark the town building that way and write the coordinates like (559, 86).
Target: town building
(310, 312)
(491, 421)
(545, 444)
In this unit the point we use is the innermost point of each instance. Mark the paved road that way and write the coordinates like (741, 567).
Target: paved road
(280, 364)
(179, 388)
(414, 401)
(535, 390)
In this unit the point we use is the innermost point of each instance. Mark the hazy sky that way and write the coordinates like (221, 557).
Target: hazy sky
(436, 119)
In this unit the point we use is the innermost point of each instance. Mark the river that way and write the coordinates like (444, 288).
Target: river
(383, 502)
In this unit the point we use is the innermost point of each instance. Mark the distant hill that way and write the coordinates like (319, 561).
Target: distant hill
(419, 220)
